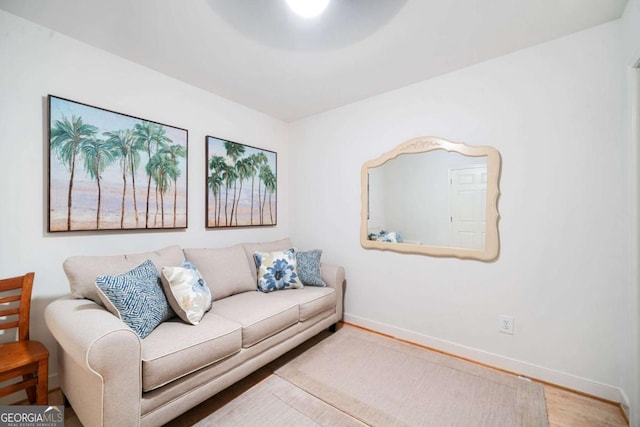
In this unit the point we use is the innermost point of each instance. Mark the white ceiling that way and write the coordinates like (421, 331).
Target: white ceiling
(256, 53)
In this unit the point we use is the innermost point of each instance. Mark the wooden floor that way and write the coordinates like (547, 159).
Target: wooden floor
(565, 408)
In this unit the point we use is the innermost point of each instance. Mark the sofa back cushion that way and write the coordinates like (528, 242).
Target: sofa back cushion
(251, 248)
(83, 270)
(226, 270)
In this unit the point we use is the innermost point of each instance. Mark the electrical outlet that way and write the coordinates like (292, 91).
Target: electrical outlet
(505, 324)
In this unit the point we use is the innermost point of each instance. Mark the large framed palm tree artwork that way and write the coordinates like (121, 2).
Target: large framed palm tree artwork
(113, 171)
(241, 185)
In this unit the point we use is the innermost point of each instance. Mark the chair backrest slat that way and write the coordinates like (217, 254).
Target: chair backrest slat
(9, 325)
(10, 284)
(10, 312)
(22, 302)
(12, 298)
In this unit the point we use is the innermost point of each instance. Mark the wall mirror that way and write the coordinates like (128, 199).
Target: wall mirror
(434, 197)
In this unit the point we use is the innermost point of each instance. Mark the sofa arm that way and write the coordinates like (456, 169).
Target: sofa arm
(333, 276)
(99, 362)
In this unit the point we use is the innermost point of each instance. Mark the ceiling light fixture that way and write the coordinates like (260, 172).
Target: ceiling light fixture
(307, 8)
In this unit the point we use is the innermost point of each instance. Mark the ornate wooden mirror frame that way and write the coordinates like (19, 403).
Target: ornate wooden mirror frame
(491, 245)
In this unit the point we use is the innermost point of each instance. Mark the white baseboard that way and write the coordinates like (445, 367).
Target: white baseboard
(625, 404)
(583, 385)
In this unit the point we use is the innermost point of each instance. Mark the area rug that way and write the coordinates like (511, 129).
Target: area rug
(385, 382)
(276, 403)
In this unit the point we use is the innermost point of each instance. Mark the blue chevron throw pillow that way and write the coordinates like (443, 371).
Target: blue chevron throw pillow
(136, 297)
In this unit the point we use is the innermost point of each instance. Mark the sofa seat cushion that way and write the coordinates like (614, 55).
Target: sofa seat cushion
(175, 349)
(311, 300)
(261, 315)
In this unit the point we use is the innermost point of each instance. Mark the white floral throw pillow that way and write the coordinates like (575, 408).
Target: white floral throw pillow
(186, 291)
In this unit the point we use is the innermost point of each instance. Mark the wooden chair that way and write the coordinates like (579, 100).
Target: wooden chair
(22, 358)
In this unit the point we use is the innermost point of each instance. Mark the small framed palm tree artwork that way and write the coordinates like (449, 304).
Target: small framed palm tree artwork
(113, 171)
(241, 185)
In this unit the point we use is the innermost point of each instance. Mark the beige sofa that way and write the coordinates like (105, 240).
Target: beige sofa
(112, 377)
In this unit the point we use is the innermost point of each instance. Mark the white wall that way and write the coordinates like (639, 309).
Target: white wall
(631, 49)
(555, 112)
(34, 62)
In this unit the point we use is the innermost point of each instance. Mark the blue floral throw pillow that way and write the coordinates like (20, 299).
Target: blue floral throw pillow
(136, 297)
(277, 270)
(308, 264)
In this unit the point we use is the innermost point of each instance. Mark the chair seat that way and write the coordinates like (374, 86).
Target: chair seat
(21, 353)
(25, 358)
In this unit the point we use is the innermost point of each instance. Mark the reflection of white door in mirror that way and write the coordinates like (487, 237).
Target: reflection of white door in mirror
(410, 203)
(468, 192)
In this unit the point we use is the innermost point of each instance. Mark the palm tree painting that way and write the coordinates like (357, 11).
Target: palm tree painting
(241, 185)
(112, 171)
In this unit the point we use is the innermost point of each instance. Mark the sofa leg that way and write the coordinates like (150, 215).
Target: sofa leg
(333, 327)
